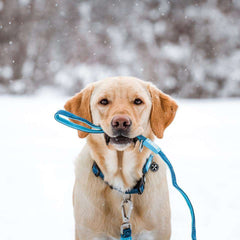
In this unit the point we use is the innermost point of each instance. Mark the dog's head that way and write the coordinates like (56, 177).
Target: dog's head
(124, 107)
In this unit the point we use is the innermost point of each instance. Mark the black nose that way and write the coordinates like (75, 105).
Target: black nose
(121, 122)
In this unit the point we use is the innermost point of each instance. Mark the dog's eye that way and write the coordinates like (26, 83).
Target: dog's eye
(138, 101)
(104, 101)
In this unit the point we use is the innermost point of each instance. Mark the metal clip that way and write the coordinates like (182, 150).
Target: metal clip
(127, 207)
(140, 146)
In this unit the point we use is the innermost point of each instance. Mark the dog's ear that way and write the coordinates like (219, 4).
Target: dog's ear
(163, 111)
(80, 106)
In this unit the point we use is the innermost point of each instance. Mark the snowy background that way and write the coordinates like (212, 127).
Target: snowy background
(50, 49)
(188, 48)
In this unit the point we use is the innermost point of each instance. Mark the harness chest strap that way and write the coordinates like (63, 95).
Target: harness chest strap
(139, 187)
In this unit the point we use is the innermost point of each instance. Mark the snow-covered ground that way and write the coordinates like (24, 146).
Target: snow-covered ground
(36, 171)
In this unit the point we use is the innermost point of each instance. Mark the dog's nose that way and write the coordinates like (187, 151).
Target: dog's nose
(121, 122)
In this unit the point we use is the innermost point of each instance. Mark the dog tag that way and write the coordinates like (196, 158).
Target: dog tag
(154, 167)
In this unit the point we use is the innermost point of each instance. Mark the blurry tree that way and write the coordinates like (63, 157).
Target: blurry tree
(187, 48)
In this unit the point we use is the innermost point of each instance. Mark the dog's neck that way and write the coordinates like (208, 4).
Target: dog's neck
(121, 169)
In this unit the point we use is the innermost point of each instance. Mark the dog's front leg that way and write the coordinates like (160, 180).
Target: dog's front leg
(76, 235)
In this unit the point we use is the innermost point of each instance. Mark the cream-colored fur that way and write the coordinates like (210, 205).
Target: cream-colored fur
(97, 207)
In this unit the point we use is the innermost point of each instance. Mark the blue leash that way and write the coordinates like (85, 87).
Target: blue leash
(66, 122)
(143, 141)
(156, 149)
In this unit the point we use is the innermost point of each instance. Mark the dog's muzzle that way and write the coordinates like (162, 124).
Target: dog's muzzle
(119, 140)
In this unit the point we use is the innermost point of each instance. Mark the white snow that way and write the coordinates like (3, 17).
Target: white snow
(37, 176)
(6, 71)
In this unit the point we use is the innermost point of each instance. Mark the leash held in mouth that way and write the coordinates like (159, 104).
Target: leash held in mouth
(143, 142)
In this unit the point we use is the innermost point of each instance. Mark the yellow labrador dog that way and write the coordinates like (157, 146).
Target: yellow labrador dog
(124, 107)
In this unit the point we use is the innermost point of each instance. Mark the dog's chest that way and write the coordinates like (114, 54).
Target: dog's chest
(121, 170)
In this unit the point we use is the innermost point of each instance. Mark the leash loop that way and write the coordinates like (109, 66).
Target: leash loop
(94, 128)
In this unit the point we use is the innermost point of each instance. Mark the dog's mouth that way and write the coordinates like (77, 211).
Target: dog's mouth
(119, 140)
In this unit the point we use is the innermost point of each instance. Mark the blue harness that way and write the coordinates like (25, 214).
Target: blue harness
(126, 234)
(138, 188)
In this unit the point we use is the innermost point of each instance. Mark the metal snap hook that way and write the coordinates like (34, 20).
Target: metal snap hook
(126, 206)
(140, 146)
